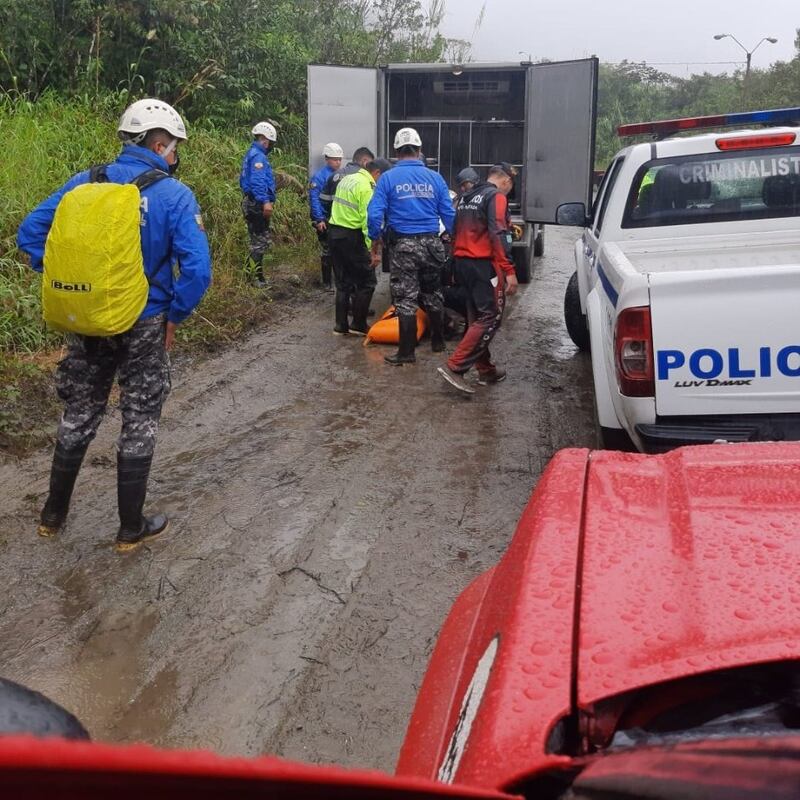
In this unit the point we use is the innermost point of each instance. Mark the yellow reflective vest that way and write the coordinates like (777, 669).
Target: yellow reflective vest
(349, 208)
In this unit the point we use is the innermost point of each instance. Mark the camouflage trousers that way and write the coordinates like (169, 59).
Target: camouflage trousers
(415, 273)
(257, 229)
(326, 260)
(85, 375)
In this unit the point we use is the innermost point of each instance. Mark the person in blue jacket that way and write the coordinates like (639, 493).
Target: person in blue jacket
(258, 196)
(410, 205)
(172, 234)
(319, 204)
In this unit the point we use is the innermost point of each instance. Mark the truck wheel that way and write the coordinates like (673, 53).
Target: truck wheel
(523, 256)
(615, 439)
(538, 243)
(574, 318)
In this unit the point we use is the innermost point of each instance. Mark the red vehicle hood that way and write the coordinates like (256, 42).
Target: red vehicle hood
(690, 564)
(625, 571)
(55, 769)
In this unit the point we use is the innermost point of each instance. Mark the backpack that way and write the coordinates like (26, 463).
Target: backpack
(94, 282)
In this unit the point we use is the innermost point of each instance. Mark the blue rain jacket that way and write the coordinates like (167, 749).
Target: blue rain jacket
(256, 178)
(172, 232)
(410, 198)
(319, 203)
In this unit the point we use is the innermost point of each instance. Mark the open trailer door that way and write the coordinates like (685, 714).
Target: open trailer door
(561, 108)
(343, 106)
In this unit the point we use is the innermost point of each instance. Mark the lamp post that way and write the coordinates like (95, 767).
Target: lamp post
(529, 58)
(749, 53)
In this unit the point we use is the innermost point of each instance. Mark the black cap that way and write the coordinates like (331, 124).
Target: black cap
(467, 175)
(383, 164)
(505, 166)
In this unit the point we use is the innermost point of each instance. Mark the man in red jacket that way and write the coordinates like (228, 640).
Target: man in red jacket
(483, 266)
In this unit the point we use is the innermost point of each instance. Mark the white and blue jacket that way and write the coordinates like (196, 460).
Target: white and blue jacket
(256, 179)
(319, 203)
(172, 233)
(409, 199)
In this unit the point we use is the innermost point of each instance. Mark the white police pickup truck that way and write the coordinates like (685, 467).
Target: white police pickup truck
(687, 289)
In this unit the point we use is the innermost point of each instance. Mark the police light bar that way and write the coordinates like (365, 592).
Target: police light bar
(777, 116)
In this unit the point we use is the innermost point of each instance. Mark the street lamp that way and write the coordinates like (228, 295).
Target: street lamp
(529, 59)
(749, 53)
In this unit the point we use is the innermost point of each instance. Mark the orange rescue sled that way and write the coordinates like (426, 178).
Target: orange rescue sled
(386, 330)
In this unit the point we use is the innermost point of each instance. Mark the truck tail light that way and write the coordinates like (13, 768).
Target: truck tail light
(633, 348)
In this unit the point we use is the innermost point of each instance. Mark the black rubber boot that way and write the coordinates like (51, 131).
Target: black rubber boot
(436, 320)
(342, 305)
(66, 465)
(327, 272)
(135, 527)
(261, 281)
(408, 341)
(361, 302)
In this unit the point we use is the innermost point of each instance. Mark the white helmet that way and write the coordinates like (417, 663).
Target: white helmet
(406, 136)
(265, 129)
(332, 150)
(147, 115)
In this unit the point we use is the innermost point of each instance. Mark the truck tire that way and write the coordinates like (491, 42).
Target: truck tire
(538, 243)
(523, 259)
(574, 318)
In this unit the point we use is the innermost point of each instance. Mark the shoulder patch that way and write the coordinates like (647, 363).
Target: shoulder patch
(258, 165)
(198, 218)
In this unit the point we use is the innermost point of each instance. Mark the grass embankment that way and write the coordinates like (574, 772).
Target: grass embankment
(43, 145)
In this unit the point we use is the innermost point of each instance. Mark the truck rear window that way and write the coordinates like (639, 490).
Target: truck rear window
(715, 187)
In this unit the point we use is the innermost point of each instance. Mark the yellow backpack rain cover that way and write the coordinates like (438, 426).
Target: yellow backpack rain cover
(94, 281)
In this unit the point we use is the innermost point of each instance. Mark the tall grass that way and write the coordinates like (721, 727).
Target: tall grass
(46, 142)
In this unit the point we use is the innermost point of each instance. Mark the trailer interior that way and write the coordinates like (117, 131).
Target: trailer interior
(473, 117)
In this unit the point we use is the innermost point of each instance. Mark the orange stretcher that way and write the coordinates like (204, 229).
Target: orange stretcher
(386, 330)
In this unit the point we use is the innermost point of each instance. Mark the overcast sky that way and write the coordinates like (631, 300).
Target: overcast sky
(656, 32)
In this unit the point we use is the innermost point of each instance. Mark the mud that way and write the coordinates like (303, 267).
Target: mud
(326, 511)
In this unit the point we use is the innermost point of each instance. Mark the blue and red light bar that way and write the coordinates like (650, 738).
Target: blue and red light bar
(777, 116)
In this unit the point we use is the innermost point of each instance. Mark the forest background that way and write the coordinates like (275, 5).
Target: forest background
(68, 68)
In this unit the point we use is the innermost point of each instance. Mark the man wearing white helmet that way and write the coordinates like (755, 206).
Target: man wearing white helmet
(320, 205)
(258, 196)
(172, 235)
(409, 203)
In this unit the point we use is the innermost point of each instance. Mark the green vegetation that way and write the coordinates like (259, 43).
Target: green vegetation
(637, 93)
(229, 61)
(51, 139)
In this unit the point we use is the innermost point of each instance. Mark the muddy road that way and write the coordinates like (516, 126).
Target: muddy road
(326, 510)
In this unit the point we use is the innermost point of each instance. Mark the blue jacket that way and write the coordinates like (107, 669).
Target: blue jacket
(256, 178)
(410, 198)
(318, 202)
(172, 231)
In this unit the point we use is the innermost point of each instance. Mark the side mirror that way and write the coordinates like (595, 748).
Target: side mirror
(572, 214)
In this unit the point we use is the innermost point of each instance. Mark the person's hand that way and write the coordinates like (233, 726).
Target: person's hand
(376, 253)
(321, 227)
(511, 283)
(169, 337)
(267, 209)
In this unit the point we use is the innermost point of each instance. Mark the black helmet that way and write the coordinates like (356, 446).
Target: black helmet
(467, 175)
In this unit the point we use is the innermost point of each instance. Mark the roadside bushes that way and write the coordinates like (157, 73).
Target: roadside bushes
(47, 141)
